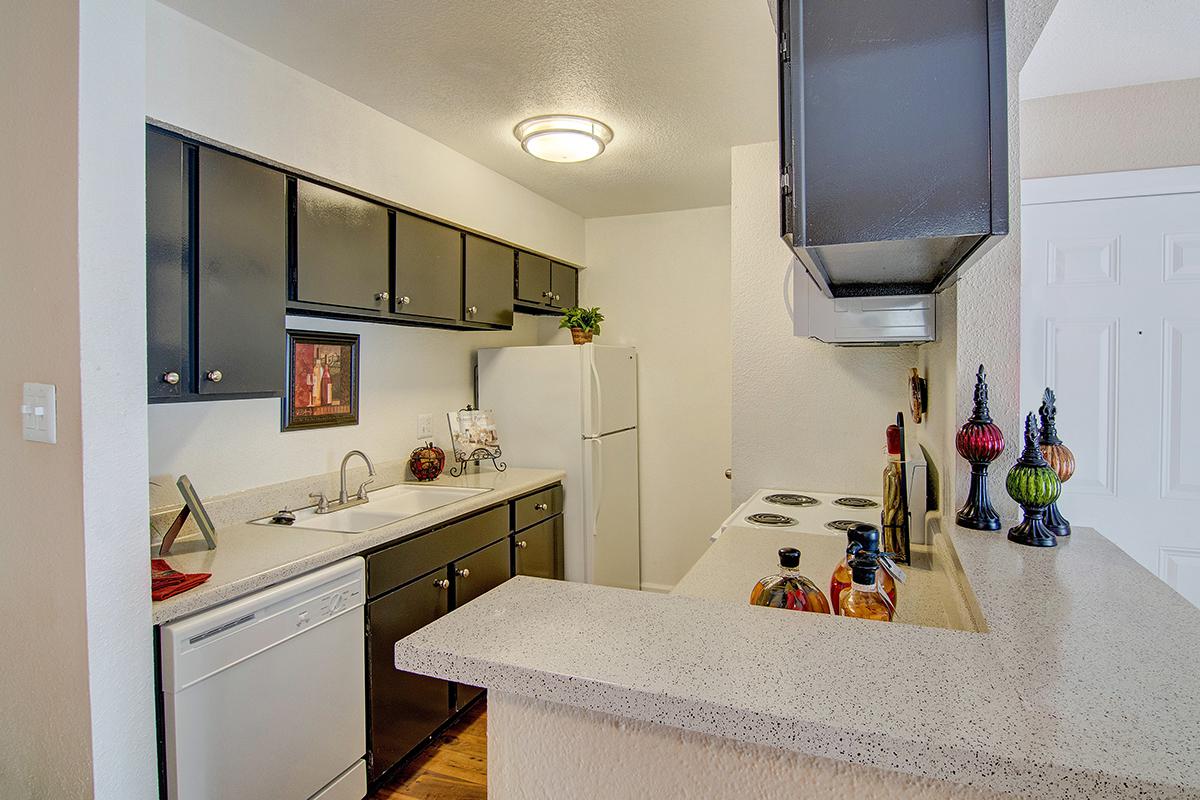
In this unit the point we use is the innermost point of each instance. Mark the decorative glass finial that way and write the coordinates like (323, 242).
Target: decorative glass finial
(981, 412)
(1033, 484)
(1058, 456)
(980, 441)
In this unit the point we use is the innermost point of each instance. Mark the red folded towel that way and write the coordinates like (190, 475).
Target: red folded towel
(166, 582)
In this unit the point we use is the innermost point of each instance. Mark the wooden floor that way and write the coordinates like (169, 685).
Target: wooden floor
(453, 767)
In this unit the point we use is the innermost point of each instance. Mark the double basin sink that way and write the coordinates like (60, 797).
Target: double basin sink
(385, 506)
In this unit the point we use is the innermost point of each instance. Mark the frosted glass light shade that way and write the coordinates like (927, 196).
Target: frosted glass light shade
(563, 138)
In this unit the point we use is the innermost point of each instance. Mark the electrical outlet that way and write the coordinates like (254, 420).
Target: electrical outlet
(424, 426)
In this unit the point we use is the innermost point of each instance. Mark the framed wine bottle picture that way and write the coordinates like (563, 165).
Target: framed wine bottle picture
(322, 380)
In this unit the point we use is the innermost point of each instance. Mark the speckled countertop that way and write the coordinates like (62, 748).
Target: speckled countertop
(249, 556)
(1084, 685)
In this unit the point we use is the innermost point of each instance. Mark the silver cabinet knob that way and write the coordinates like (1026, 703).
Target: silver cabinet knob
(463, 573)
(442, 583)
(170, 377)
(729, 474)
(522, 544)
(541, 507)
(472, 310)
(548, 295)
(213, 375)
(405, 300)
(382, 295)
(557, 298)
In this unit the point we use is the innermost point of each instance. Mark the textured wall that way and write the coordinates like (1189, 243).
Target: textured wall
(539, 751)
(76, 678)
(938, 364)
(807, 415)
(663, 282)
(205, 82)
(1131, 127)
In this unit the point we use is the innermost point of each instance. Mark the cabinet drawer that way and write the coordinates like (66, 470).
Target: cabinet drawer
(538, 551)
(414, 557)
(534, 508)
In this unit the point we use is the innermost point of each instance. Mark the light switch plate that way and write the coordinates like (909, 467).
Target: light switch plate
(424, 426)
(39, 417)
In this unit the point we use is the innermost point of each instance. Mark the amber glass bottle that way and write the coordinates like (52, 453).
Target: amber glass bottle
(861, 537)
(789, 589)
(865, 600)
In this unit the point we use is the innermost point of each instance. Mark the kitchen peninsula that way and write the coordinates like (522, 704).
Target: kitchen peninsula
(1076, 678)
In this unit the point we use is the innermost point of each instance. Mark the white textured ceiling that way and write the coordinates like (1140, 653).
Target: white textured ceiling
(679, 81)
(1101, 44)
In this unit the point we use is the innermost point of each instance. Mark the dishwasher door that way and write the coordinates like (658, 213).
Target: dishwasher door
(264, 697)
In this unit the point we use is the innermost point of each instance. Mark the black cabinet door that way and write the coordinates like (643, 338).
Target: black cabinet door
(533, 279)
(240, 276)
(488, 276)
(168, 261)
(562, 283)
(429, 269)
(538, 551)
(341, 249)
(404, 708)
(473, 576)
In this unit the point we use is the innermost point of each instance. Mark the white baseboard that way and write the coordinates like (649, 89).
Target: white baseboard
(661, 588)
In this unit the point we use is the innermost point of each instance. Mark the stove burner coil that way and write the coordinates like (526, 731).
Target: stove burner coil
(786, 499)
(775, 520)
(855, 502)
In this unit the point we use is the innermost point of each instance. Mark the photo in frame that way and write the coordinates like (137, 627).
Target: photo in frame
(322, 380)
(473, 434)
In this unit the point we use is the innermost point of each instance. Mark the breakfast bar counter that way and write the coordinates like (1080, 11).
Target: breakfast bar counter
(1073, 674)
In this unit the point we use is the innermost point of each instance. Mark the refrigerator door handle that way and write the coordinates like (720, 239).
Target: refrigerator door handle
(597, 483)
(597, 421)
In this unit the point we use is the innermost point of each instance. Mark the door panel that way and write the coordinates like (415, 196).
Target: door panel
(168, 260)
(341, 249)
(488, 273)
(562, 283)
(405, 708)
(240, 276)
(611, 511)
(538, 551)
(473, 576)
(533, 278)
(610, 403)
(1108, 308)
(429, 269)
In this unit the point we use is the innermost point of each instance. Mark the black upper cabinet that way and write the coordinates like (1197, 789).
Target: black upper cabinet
(241, 276)
(168, 262)
(488, 282)
(533, 279)
(894, 151)
(563, 285)
(341, 256)
(429, 269)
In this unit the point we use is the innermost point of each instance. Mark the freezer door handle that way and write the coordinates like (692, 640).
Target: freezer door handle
(598, 392)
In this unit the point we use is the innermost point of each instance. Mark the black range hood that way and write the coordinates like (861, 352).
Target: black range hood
(893, 140)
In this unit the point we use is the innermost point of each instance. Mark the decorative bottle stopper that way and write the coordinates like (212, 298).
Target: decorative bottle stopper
(979, 441)
(1033, 484)
(1059, 457)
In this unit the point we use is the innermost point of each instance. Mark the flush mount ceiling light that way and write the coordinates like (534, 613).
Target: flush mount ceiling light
(563, 137)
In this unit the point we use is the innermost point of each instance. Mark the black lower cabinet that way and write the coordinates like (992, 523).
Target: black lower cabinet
(405, 708)
(474, 575)
(538, 551)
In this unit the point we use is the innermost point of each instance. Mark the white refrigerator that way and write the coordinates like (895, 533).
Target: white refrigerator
(574, 407)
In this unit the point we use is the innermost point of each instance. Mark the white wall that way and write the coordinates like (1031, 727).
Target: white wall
(1132, 127)
(76, 675)
(209, 84)
(662, 281)
(807, 415)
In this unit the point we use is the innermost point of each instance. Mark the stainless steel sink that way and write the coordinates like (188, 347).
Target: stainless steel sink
(385, 507)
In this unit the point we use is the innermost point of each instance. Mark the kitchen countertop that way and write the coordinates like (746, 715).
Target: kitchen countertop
(249, 557)
(1084, 683)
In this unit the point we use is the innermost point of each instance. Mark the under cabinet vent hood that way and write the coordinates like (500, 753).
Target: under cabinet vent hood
(862, 320)
(893, 140)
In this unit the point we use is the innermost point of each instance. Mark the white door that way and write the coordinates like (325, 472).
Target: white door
(610, 402)
(1110, 311)
(611, 510)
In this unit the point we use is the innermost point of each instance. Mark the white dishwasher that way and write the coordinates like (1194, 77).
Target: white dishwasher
(264, 698)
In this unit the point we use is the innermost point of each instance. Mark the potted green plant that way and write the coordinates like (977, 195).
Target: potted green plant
(583, 322)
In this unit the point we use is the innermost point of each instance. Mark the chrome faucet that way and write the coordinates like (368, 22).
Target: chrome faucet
(343, 495)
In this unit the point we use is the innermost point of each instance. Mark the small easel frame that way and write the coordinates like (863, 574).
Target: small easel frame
(476, 456)
(191, 506)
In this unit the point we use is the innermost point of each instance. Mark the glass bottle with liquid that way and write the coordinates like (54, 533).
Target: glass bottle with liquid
(865, 600)
(789, 589)
(862, 537)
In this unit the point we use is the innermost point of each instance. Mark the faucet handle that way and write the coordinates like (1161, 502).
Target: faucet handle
(322, 501)
(362, 488)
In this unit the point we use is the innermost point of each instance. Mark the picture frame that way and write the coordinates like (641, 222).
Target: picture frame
(322, 380)
(473, 434)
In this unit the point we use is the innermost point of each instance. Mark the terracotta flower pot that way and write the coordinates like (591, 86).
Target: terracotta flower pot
(580, 336)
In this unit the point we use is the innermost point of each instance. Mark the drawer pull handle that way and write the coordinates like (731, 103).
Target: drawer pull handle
(442, 583)
(541, 507)
(522, 544)
(463, 573)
